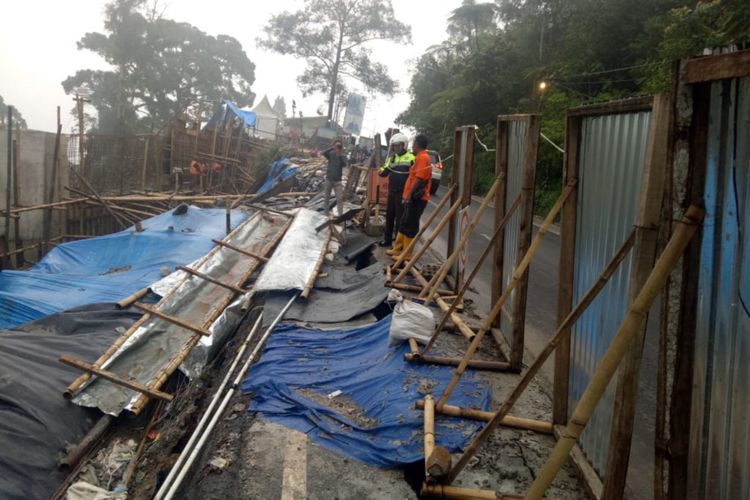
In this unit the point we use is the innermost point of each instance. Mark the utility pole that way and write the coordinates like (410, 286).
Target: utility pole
(82, 94)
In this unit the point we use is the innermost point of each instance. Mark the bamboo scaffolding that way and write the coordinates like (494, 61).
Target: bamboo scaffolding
(467, 283)
(113, 377)
(517, 276)
(486, 416)
(78, 383)
(132, 298)
(416, 288)
(210, 279)
(423, 229)
(618, 348)
(478, 364)
(458, 493)
(439, 277)
(561, 333)
(442, 304)
(429, 429)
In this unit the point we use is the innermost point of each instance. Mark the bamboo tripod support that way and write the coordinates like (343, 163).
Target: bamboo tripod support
(467, 283)
(439, 277)
(517, 276)
(562, 331)
(422, 230)
(618, 348)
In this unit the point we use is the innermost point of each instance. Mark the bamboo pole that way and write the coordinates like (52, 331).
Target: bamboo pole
(618, 347)
(467, 283)
(240, 250)
(486, 416)
(517, 275)
(458, 493)
(167, 317)
(113, 377)
(132, 298)
(478, 364)
(314, 276)
(460, 324)
(429, 429)
(562, 332)
(213, 280)
(416, 288)
(423, 229)
(439, 277)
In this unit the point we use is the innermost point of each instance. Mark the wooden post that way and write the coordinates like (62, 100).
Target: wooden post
(144, 168)
(644, 254)
(462, 176)
(429, 429)
(311, 282)
(525, 224)
(486, 416)
(567, 252)
(501, 172)
(622, 342)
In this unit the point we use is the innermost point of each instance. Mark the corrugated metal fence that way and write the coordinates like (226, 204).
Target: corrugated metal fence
(720, 431)
(612, 149)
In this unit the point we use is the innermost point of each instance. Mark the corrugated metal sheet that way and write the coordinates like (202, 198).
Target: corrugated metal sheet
(720, 433)
(611, 157)
(517, 132)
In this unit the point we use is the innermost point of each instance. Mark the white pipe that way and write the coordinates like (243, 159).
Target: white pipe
(215, 399)
(217, 414)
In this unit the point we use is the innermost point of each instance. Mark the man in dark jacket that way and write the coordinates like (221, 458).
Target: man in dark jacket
(336, 162)
(396, 168)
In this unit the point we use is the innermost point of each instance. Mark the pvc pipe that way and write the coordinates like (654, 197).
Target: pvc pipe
(167, 491)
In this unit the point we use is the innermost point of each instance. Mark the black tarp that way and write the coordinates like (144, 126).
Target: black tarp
(341, 295)
(36, 422)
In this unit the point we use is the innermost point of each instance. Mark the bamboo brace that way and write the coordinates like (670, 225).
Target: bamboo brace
(633, 321)
(562, 331)
(517, 275)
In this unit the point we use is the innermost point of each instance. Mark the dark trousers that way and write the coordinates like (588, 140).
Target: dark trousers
(394, 211)
(410, 221)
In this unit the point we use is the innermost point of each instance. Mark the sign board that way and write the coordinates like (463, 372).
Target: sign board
(355, 114)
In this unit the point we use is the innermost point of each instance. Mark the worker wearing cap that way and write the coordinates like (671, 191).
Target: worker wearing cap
(415, 196)
(396, 168)
(336, 163)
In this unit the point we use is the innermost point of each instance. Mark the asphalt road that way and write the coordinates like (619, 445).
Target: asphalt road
(541, 308)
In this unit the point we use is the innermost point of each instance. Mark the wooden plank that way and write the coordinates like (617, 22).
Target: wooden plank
(501, 172)
(585, 470)
(113, 377)
(526, 222)
(565, 292)
(631, 105)
(172, 319)
(720, 67)
(210, 279)
(644, 255)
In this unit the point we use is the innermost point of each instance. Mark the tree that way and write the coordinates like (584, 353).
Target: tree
(332, 36)
(17, 117)
(160, 69)
(279, 107)
(471, 19)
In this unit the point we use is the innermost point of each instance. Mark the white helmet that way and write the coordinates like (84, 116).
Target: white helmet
(396, 138)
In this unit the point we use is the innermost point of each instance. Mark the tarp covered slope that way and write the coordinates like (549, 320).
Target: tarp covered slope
(300, 362)
(109, 268)
(36, 422)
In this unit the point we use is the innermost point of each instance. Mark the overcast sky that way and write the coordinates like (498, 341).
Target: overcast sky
(38, 51)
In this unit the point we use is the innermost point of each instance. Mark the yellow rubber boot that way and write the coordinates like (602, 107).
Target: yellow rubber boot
(406, 242)
(397, 246)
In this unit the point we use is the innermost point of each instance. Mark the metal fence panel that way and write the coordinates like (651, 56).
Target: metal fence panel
(517, 133)
(611, 157)
(720, 429)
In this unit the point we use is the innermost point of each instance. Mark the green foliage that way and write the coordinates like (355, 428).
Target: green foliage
(160, 69)
(333, 36)
(17, 116)
(586, 50)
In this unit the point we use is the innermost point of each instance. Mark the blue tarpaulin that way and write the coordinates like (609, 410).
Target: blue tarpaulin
(109, 268)
(378, 424)
(280, 170)
(227, 110)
